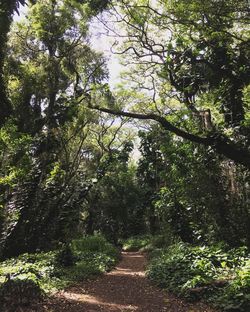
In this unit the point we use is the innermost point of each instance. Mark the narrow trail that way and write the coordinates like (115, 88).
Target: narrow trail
(124, 289)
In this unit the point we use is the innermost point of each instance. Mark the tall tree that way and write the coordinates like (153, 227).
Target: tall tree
(50, 65)
(7, 9)
(203, 56)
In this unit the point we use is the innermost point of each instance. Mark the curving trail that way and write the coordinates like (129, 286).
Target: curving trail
(122, 290)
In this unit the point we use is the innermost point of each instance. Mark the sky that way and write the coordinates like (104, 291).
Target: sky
(101, 43)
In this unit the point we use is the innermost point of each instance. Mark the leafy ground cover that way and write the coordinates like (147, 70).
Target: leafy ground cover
(214, 274)
(82, 259)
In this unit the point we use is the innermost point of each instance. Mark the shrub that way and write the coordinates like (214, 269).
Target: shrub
(136, 243)
(93, 244)
(18, 292)
(215, 274)
(82, 259)
(38, 267)
(146, 243)
(160, 241)
(81, 271)
(65, 257)
(236, 296)
(90, 243)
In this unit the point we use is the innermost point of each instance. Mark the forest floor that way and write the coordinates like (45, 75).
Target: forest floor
(125, 289)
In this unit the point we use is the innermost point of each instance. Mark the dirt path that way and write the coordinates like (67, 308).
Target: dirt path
(124, 289)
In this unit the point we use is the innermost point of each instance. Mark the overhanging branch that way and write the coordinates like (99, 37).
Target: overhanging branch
(222, 145)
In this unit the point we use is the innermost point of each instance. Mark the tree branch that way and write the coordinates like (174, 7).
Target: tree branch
(222, 145)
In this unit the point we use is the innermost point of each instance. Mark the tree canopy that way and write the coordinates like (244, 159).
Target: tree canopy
(164, 151)
(199, 58)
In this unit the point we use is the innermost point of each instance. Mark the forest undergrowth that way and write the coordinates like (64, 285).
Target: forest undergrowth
(31, 277)
(215, 274)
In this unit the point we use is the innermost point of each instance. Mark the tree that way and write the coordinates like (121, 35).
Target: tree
(189, 193)
(202, 56)
(49, 61)
(114, 203)
(150, 173)
(7, 9)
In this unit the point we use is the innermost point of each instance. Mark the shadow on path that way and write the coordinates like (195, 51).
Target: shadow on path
(124, 289)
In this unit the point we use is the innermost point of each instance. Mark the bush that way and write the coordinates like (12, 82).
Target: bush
(90, 243)
(94, 244)
(18, 292)
(136, 243)
(215, 274)
(65, 257)
(81, 271)
(38, 267)
(82, 259)
(146, 243)
(236, 296)
(160, 241)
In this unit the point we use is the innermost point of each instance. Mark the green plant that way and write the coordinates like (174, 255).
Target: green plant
(136, 243)
(81, 271)
(211, 273)
(160, 241)
(236, 296)
(82, 259)
(65, 257)
(17, 292)
(93, 244)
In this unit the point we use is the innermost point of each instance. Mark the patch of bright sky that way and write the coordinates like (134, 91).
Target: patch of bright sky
(21, 15)
(102, 43)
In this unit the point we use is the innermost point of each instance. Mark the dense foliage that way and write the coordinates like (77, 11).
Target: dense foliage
(191, 193)
(162, 157)
(50, 153)
(215, 274)
(198, 59)
(44, 272)
(136, 243)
